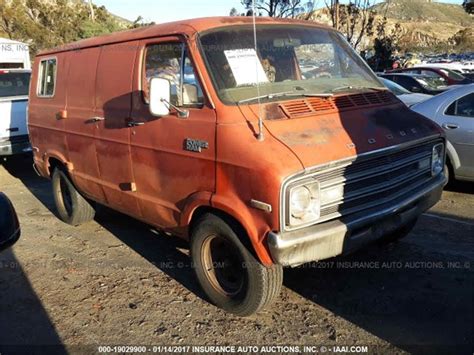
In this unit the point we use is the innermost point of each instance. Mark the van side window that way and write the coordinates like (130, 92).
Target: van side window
(47, 77)
(170, 61)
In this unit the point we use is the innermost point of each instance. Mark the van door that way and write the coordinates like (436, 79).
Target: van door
(112, 112)
(80, 125)
(167, 164)
(458, 122)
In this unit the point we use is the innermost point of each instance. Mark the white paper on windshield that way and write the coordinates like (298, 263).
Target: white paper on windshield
(246, 67)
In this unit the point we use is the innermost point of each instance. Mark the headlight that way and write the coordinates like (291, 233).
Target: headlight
(304, 204)
(437, 160)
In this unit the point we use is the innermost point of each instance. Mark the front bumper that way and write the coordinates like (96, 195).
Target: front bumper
(15, 145)
(347, 234)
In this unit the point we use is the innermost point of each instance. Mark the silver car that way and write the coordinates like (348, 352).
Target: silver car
(454, 111)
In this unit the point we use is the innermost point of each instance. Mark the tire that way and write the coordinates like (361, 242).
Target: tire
(229, 274)
(398, 234)
(447, 172)
(72, 208)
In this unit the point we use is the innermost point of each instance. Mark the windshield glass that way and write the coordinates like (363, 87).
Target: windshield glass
(290, 60)
(395, 88)
(430, 82)
(453, 75)
(14, 84)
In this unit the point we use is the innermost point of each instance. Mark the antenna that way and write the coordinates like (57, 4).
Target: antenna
(260, 136)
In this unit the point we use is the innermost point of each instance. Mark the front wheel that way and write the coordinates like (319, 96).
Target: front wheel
(72, 207)
(229, 274)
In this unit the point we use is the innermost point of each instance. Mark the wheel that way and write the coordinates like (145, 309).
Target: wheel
(71, 206)
(398, 234)
(229, 274)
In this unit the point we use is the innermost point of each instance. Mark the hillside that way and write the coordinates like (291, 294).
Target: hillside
(425, 11)
(424, 25)
(50, 23)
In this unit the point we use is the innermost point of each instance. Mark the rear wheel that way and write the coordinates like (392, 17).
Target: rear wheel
(398, 234)
(228, 272)
(71, 206)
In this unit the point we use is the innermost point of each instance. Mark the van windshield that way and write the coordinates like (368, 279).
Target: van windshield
(290, 61)
(14, 84)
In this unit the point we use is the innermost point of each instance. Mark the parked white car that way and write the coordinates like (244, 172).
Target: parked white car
(454, 111)
(14, 87)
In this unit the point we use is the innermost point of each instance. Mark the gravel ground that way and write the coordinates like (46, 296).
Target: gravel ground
(115, 281)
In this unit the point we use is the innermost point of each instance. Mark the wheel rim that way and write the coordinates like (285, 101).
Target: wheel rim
(223, 266)
(66, 196)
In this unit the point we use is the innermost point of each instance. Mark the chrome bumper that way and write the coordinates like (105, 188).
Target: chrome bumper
(349, 233)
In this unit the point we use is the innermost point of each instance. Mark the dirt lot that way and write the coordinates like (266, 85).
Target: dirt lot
(116, 282)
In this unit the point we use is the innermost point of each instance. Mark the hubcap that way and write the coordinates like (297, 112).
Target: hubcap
(223, 265)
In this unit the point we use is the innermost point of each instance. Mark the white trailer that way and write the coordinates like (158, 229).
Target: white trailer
(14, 55)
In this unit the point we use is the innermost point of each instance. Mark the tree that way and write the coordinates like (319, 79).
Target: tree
(46, 24)
(280, 8)
(355, 19)
(468, 5)
(234, 12)
(385, 46)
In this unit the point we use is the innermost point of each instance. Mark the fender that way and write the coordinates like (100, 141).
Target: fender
(452, 155)
(196, 200)
(52, 154)
(241, 212)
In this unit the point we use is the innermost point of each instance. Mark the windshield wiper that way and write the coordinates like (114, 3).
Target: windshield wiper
(285, 94)
(349, 87)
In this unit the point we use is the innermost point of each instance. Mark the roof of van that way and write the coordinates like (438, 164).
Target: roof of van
(187, 27)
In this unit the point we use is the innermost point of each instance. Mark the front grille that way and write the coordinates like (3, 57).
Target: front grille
(373, 182)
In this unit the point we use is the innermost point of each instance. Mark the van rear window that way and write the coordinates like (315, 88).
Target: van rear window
(47, 77)
(14, 84)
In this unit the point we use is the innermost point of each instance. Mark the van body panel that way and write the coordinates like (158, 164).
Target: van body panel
(246, 173)
(187, 28)
(113, 104)
(79, 127)
(166, 174)
(46, 128)
(338, 135)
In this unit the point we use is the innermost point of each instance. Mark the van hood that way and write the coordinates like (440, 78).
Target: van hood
(320, 138)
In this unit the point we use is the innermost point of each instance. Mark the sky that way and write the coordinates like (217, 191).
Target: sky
(161, 11)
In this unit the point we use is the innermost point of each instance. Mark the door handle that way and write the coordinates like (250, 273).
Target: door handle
(95, 120)
(450, 126)
(134, 124)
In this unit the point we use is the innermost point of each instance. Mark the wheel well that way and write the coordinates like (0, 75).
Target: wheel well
(450, 167)
(53, 164)
(229, 219)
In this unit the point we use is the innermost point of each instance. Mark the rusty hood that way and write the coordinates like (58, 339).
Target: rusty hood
(335, 132)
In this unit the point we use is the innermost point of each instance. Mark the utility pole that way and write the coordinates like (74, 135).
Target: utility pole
(336, 11)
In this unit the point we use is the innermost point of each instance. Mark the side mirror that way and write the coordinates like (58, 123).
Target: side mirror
(160, 96)
(9, 225)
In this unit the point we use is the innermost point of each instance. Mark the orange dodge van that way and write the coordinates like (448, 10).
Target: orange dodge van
(264, 154)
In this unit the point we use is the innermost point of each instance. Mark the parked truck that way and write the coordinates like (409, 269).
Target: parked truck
(15, 72)
(14, 86)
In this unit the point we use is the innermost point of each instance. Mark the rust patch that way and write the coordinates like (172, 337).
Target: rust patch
(310, 138)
